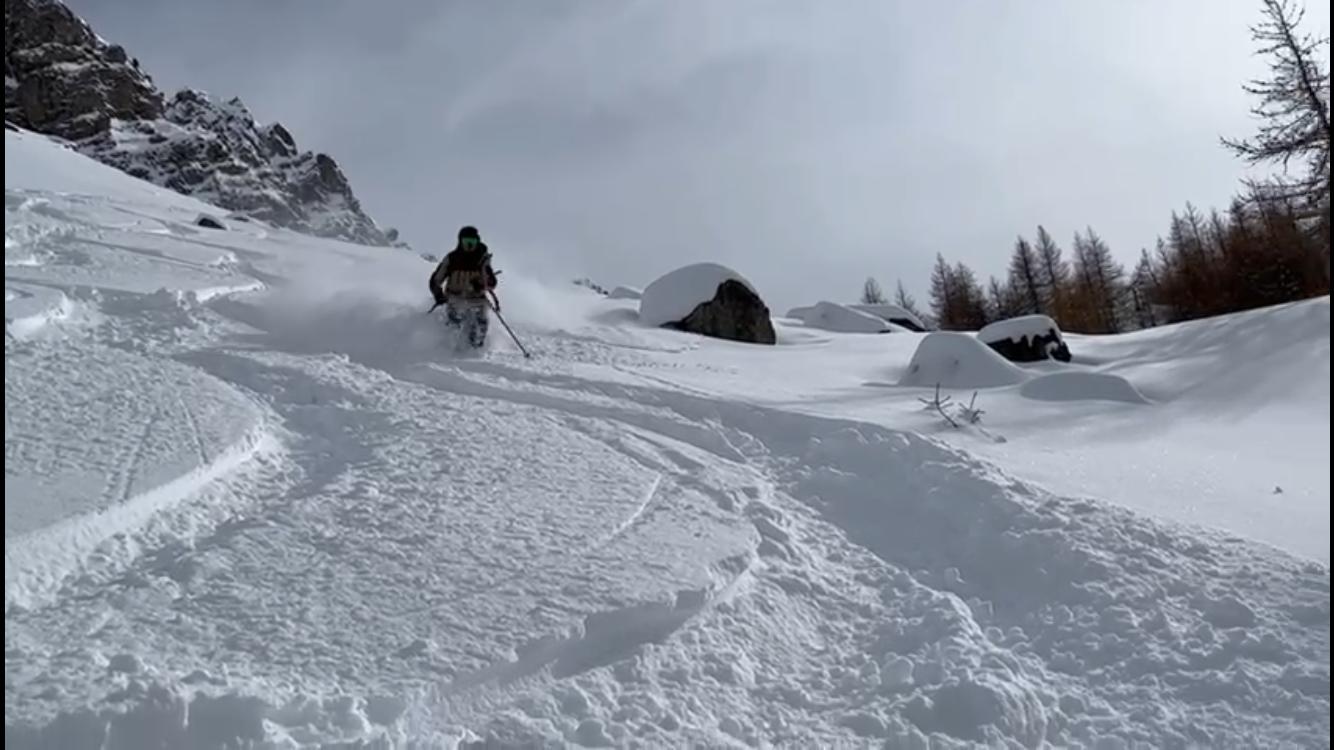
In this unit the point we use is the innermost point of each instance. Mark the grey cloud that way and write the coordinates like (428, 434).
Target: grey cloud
(808, 143)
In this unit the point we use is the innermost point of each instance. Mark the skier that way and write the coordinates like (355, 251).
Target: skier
(461, 283)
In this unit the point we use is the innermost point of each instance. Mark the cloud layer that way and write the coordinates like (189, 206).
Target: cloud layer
(807, 143)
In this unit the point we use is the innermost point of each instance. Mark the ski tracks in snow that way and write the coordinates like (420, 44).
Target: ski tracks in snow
(357, 547)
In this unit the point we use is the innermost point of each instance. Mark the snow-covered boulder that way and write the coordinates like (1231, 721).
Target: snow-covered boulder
(1028, 338)
(626, 292)
(708, 299)
(958, 360)
(895, 314)
(61, 79)
(831, 316)
(208, 221)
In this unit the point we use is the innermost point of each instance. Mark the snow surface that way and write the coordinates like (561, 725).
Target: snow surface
(1016, 329)
(673, 296)
(830, 316)
(278, 513)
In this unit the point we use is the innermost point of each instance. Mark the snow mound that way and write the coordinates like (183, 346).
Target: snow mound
(626, 292)
(831, 316)
(675, 295)
(1082, 386)
(958, 360)
(1015, 329)
(894, 314)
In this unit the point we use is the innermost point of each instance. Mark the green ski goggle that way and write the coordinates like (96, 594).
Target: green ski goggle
(469, 241)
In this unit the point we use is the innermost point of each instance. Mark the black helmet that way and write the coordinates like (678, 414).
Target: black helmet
(469, 231)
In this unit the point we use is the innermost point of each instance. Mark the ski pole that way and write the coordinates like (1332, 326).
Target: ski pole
(495, 307)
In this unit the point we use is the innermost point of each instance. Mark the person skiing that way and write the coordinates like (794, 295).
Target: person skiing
(461, 283)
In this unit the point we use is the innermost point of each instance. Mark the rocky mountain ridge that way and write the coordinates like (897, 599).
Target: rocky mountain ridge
(63, 80)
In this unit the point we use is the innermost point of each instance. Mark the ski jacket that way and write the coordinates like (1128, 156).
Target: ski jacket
(463, 273)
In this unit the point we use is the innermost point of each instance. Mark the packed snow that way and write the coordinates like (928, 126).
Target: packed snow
(831, 316)
(674, 295)
(253, 501)
(626, 292)
(1016, 329)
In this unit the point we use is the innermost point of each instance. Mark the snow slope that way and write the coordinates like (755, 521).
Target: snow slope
(251, 502)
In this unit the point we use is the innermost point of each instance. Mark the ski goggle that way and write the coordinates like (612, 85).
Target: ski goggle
(469, 241)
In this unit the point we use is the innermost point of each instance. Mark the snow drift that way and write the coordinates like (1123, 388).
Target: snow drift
(1082, 386)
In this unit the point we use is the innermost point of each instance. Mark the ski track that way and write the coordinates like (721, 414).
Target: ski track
(294, 546)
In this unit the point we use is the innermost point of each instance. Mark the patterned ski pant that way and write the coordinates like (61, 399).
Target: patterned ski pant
(468, 317)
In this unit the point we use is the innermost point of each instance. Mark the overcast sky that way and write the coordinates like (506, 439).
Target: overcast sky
(806, 143)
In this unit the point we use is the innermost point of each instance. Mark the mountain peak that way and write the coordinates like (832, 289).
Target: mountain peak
(62, 79)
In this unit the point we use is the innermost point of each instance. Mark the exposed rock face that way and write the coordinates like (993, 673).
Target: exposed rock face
(1033, 348)
(735, 313)
(61, 79)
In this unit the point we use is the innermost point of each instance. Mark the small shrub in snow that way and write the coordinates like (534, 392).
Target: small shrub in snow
(945, 405)
(970, 413)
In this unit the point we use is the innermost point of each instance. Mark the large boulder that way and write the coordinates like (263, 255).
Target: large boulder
(710, 300)
(1028, 338)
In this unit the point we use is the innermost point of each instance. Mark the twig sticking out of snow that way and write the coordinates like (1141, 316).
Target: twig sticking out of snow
(970, 413)
(938, 405)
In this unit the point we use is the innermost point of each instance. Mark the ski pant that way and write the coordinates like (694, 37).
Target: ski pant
(468, 316)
